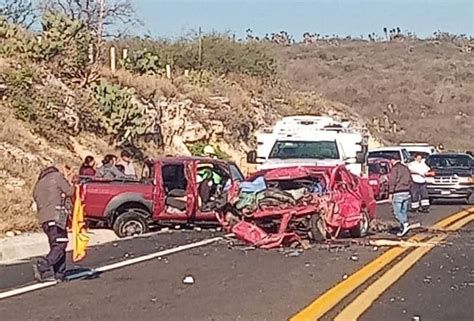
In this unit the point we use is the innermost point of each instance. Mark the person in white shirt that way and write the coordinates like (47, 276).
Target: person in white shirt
(126, 162)
(419, 192)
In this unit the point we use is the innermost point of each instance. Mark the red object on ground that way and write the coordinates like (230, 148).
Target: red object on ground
(252, 234)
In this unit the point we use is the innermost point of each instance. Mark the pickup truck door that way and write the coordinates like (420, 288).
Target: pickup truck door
(158, 192)
(224, 170)
(191, 190)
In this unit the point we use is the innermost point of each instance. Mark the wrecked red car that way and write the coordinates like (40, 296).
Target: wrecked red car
(283, 205)
(379, 175)
(171, 190)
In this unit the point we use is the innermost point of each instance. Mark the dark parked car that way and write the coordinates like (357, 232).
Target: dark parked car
(453, 176)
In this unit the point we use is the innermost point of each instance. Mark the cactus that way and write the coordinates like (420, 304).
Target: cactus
(143, 62)
(120, 116)
(61, 37)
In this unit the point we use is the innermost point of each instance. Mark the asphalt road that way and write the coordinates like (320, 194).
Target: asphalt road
(234, 283)
(440, 287)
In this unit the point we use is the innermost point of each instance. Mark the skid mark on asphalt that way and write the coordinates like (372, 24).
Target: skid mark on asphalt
(110, 267)
(333, 296)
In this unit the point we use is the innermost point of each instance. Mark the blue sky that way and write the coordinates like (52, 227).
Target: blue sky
(173, 18)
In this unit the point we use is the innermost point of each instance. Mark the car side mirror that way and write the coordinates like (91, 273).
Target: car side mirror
(252, 157)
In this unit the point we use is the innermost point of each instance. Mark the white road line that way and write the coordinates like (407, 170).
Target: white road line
(25, 289)
(383, 202)
(152, 256)
(38, 286)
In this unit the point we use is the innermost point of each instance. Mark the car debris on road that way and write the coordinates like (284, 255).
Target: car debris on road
(282, 206)
(188, 280)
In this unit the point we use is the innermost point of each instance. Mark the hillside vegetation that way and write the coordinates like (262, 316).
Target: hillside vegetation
(60, 100)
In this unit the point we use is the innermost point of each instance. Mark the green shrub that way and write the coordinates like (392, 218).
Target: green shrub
(143, 62)
(63, 43)
(220, 55)
(41, 107)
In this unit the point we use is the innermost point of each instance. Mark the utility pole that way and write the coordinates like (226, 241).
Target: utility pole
(100, 28)
(200, 48)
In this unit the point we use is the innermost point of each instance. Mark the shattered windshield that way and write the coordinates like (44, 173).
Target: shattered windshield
(299, 149)
(446, 161)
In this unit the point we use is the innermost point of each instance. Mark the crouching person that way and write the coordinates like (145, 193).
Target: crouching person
(51, 194)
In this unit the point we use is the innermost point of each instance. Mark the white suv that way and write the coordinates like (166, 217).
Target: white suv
(392, 152)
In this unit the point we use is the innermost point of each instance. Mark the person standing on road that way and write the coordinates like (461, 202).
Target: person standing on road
(399, 191)
(126, 162)
(51, 194)
(419, 191)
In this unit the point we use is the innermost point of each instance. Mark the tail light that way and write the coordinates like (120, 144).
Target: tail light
(373, 182)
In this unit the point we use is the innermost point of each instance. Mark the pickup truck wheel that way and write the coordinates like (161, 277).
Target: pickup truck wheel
(470, 199)
(362, 228)
(130, 223)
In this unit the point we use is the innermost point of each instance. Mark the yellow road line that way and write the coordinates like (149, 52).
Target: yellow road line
(363, 302)
(333, 296)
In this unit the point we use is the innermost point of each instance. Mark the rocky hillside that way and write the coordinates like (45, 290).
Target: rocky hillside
(410, 89)
(58, 103)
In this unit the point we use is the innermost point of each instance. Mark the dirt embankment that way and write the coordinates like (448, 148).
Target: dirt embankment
(411, 90)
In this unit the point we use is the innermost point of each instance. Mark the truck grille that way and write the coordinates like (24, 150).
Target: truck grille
(446, 180)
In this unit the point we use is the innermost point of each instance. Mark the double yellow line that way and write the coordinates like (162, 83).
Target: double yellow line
(358, 306)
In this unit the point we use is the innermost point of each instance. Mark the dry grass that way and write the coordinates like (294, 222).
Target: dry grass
(429, 84)
(22, 155)
(146, 85)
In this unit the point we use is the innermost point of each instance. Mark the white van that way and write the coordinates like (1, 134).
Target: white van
(309, 141)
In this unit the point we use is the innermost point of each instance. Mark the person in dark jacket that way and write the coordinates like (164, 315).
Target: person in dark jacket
(399, 190)
(108, 169)
(50, 194)
(88, 167)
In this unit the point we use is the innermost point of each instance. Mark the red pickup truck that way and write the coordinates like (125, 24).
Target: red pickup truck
(169, 191)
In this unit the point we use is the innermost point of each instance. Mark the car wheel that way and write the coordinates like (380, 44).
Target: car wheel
(317, 232)
(362, 228)
(130, 223)
(470, 199)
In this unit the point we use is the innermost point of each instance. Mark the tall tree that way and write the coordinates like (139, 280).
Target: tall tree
(21, 12)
